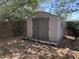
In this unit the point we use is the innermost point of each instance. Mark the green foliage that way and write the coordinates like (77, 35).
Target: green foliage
(17, 9)
(19, 28)
(73, 27)
(72, 24)
(72, 1)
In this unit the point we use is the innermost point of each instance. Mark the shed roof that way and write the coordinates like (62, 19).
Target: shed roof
(43, 12)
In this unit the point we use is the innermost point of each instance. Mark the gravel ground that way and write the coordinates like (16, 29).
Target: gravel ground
(16, 48)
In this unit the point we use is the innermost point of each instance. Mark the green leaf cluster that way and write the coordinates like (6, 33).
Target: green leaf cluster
(73, 27)
(17, 9)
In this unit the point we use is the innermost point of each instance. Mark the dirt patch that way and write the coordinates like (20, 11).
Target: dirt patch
(70, 43)
(16, 48)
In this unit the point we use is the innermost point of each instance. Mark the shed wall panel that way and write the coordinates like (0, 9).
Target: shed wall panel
(29, 27)
(59, 30)
(40, 28)
(35, 27)
(43, 28)
(53, 28)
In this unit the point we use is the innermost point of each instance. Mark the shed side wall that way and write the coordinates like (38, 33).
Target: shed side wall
(53, 28)
(59, 30)
(29, 27)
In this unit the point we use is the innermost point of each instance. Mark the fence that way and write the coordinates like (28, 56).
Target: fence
(8, 29)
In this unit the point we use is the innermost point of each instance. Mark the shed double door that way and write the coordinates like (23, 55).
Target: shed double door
(40, 28)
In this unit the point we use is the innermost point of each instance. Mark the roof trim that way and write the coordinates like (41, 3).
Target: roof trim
(47, 13)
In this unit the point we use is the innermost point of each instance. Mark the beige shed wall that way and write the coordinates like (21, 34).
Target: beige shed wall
(29, 27)
(59, 31)
(53, 28)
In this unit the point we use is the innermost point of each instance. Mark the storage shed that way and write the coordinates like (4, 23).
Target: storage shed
(45, 26)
